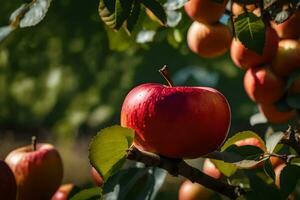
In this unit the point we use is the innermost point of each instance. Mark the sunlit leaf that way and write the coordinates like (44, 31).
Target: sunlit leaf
(107, 152)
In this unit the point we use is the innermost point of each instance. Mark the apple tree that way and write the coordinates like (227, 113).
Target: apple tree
(162, 125)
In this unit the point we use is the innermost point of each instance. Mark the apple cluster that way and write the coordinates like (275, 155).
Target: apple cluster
(35, 172)
(265, 80)
(207, 37)
(267, 74)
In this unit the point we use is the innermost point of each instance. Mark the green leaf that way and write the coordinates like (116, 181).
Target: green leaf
(122, 12)
(157, 9)
(288, 179)
(293, 100)
(144, 183)
(260, 187)
(273, 140)
(94, 193)
(268, 168)
(250, 30)
(292, 78)
(242, 136)
(107, 152)
(227, 169)
(133, 17)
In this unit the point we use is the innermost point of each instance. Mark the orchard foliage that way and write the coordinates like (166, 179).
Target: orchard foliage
(248, 169)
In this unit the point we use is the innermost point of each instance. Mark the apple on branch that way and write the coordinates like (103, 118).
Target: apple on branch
(176, 121)
(38, 170)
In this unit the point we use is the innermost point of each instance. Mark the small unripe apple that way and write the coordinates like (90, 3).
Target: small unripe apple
(275, 116)
(38, 170)
(209, 40)
(177, 122)
(245, 58)
(205, 11)
(8, 186)
(287, 59)
(96, 177)
(289, 29)
(63, 192)
(263, 86)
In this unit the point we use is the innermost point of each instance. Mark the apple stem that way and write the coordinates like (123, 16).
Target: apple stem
(33, 143)
(164, 71)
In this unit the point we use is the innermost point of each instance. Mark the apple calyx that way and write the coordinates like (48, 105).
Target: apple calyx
(164, 71)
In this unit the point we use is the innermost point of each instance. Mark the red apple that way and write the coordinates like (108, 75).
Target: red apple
(176, 121)
(275, 116)
(289, 29)
(194, 191)
(287, 59)
(263, 86)
(96, 177)
(8, 186)
(206, 11)
(63, 192)
(245, 58)
(209, 40)
(38, 171)
(210, 169)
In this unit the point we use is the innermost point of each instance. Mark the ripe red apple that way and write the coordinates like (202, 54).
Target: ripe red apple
(8, 186)
(194, 191)
(209, 40)
(263, 86)
(287, 59)
(63, 192)
(274, 115)
(289, 29)
(245, 58)
(38, 170)
(205, 11)
(176, 121)
(210, 169)
(96, 177)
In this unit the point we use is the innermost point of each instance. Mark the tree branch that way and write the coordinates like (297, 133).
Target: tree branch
(179, 167)
(292, 139)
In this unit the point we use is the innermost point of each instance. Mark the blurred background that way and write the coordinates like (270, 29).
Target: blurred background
(66, 78)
